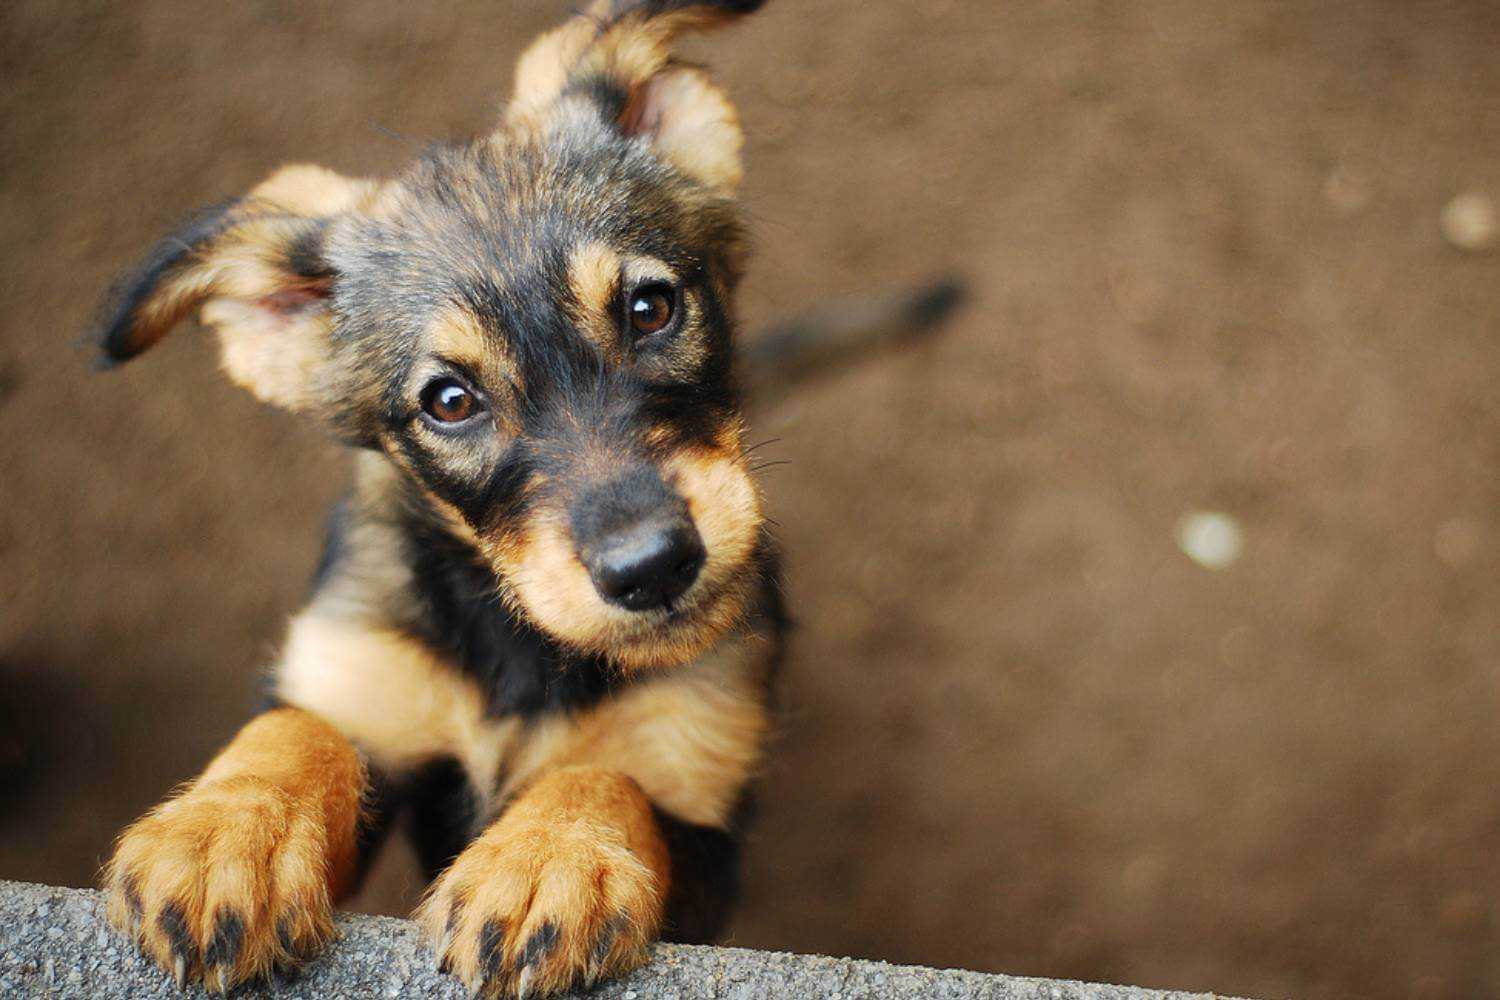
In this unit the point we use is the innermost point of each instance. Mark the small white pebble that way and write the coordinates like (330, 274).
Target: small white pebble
(1468, 222)
(1211, 539)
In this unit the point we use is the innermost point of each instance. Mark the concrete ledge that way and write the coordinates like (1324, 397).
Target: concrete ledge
(54, 943)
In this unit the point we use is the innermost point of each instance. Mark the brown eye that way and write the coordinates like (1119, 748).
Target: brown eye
(651, 309)
(447, 401)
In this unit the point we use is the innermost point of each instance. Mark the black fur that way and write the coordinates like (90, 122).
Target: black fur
(383, 801)
(335, 544)
(473, 252)
(521, 671)
(652, 8)
(443, 814)
(705, 877)
(115, 320)
(305, 257)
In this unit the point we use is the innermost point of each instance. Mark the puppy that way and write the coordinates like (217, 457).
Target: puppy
(543, 630)
(545, 625)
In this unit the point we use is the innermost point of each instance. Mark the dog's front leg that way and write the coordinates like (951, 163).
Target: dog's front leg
(566, 887)
(237, 874)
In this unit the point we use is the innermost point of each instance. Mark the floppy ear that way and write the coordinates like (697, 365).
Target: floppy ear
(618, 54)
(255, 271)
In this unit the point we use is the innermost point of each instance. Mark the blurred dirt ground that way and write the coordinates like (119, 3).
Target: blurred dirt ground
(1024, 732)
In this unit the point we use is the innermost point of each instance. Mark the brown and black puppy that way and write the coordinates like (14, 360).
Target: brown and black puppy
(543, 629)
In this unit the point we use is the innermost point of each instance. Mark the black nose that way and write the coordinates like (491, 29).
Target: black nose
(647, 566)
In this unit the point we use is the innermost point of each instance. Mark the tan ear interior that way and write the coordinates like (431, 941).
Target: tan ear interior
(271, 322)
(688, 121)
(691, 124)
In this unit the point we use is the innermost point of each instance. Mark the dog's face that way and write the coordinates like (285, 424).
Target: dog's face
(535, 327)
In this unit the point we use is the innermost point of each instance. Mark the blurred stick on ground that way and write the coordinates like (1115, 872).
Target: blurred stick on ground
(840, 333)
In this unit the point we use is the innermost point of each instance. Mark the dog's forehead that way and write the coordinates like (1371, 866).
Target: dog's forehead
(499, 215)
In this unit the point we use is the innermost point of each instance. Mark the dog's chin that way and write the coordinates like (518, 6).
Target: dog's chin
(636, 641)
(682, 634)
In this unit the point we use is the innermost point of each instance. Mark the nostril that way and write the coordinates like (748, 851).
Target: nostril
(648, 566)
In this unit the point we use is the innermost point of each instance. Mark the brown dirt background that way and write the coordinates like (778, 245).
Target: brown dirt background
(1024, 733)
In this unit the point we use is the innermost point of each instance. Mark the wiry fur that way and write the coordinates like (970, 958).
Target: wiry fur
(573, 766)
(562, 760)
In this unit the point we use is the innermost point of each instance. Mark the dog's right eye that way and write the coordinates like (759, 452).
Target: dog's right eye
(449, 401)
(651, 309)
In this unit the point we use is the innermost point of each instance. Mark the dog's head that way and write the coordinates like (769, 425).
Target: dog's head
(535, 327)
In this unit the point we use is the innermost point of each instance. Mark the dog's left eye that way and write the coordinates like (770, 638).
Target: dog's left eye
(651, 308)
(448, 401)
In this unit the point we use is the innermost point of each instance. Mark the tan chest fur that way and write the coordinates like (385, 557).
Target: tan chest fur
(691, 737)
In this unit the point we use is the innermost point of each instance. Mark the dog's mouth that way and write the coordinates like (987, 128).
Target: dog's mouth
(560, 600)
(645, 603)
(679, 631)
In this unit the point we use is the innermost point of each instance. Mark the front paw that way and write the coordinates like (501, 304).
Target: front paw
(224, 883)
(542, 903)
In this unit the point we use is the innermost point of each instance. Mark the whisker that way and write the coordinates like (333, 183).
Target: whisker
(756, 447)
(391, 133)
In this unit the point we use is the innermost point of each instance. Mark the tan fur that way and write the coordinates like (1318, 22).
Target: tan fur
(578, 852)
(693, 126)
(244, 262)
(267, 834)
(544, 67)
(275, 354)
(687, 119)
(553, 588)
(375, 568)
(308, 189)
(691, 739)
(639, 270)
(725, 506)
(629, 49)
(594, 275)
(241, 262)
(455, 335)
(392, 696)
(550, 585)
(271, 323)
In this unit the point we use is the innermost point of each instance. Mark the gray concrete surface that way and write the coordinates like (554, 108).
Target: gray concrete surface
(54, 943)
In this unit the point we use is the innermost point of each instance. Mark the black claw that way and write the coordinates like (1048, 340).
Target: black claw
(606, 940)
(284, 936)
(492, 947)
(132, 890)
(229, 934)
(283, 975)
(173, 923)
(536, 949)
(455, 913)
